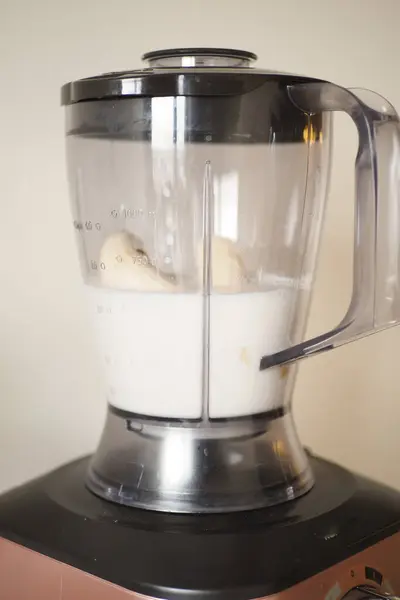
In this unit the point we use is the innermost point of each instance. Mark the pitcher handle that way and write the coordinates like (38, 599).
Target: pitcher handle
(374, 304)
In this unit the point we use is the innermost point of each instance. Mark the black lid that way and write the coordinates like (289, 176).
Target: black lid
(225, 73)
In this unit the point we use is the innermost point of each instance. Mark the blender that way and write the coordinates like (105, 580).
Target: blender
(198, 189)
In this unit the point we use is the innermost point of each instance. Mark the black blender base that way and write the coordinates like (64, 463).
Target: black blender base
(232, 556)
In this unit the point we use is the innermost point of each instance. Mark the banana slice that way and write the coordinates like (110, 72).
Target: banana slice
(127, 267)
(228, 273)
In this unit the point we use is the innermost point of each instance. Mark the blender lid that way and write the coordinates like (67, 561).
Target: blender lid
(180, 72)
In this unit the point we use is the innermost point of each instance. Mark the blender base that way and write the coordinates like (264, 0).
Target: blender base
(61, 541)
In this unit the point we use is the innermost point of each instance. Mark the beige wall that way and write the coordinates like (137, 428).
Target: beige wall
(51, 405)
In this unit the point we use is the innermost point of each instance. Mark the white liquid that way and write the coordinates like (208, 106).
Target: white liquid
(243, 328)
(151, 345)
(152, 348)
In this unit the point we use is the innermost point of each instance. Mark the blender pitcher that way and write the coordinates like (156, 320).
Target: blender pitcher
(198, 187)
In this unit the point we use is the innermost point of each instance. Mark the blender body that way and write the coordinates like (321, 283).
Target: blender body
(198, 221)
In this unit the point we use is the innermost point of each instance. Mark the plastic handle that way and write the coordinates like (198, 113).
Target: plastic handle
(376, 289)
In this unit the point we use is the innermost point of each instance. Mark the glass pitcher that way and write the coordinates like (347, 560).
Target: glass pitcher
(198, 187)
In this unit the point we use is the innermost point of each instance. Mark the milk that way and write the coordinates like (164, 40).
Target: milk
(151, 345)
(243, 328)
(151, 348)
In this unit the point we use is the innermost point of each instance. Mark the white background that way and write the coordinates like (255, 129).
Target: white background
(347, 402)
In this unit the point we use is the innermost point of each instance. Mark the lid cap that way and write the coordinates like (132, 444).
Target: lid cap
(213, 52)
(199, 57)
